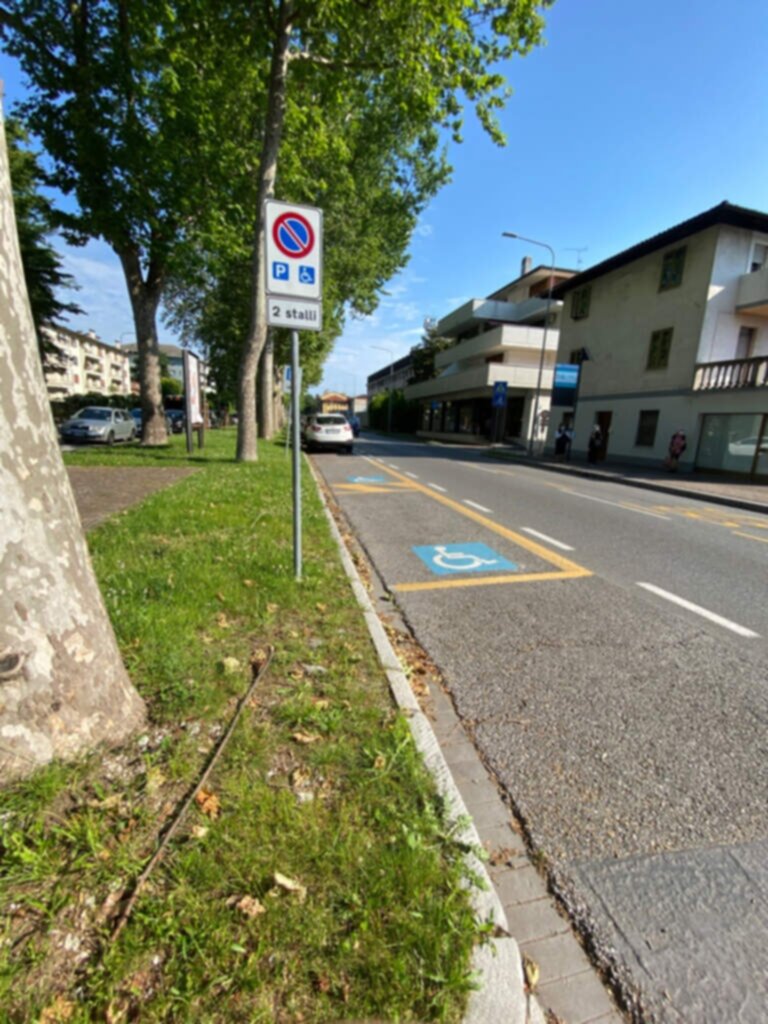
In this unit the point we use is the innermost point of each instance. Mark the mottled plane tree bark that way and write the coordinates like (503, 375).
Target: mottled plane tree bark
(63, 686)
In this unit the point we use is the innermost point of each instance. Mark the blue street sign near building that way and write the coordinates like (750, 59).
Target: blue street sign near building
(448, 559)
(499, 399)
(565, 384)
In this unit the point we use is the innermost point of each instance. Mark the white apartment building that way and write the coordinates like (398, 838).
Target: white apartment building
(498, 339)
(674, 332)
(86, 364)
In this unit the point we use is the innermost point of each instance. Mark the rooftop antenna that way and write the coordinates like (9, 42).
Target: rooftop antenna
(578, 252)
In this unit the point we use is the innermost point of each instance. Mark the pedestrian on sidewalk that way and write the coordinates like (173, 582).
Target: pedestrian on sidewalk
(561, 442)
(677, 446)
(595, 443)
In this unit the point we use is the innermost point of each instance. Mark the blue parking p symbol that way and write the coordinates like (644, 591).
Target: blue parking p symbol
(280, 270)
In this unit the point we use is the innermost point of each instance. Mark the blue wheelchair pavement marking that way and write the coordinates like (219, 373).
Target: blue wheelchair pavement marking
(446, 559)
(368, 480)
(280, 270)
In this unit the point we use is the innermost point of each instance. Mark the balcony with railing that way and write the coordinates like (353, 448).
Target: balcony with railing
(752, 294)
(731, 374)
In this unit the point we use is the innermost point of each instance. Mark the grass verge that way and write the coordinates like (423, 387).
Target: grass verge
(318, 880)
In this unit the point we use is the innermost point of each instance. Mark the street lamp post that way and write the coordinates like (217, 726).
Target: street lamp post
(391, 354)
(533, 241)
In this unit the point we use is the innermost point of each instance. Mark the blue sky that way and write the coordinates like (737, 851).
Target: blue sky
(630, 119)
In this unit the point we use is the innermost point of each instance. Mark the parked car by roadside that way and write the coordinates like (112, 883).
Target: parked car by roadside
(99, 424)
(327, 430)
(178, 420)
(138, 419)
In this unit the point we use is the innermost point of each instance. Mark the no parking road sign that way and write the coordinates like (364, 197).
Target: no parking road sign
(294, 250)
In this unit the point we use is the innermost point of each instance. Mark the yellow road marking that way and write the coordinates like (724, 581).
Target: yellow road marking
(484, 581)
(568, 569)
(748, 536)
(390, 488)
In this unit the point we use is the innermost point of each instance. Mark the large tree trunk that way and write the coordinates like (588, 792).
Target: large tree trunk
(267, 392)
(247, 450)
(145, 299)
(63, 687)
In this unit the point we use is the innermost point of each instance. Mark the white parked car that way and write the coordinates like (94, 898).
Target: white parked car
(99, 423)
(745, 446)
(327, 430)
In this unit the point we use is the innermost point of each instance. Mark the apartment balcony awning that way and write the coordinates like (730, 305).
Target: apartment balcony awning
(478, 311)
(479, 378)
(731, 374)
(499, 340)
(752, 293)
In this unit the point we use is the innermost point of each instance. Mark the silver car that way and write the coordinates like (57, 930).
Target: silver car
(99, 423)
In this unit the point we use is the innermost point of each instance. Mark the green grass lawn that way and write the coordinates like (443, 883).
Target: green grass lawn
(320, 785)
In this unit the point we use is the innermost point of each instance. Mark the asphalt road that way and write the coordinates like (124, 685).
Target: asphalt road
(606, 648)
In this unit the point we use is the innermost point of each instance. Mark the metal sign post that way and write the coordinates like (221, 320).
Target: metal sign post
(293, 256)
(297, 566)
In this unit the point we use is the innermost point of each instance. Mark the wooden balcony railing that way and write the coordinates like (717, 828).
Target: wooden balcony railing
(731, 374)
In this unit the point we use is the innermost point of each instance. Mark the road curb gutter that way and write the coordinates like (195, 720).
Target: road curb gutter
(501, 997)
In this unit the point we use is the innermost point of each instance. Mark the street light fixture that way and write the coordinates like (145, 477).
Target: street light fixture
(391, 354)
(533, 241)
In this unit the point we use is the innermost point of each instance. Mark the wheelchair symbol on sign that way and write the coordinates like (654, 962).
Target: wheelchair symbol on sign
(446, 559)
(459, 561)
(307, 275)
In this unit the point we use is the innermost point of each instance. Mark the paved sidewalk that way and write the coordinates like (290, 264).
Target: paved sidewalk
(722, 490)
(103, 491)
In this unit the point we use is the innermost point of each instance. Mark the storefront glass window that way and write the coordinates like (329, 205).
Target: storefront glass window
(729, 442)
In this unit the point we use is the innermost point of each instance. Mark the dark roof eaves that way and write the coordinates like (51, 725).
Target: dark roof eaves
(723, 213)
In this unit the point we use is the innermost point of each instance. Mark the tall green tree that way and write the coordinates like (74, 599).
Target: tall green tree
(131, 99)
(43, 273)
(405, 64)
(423, 354)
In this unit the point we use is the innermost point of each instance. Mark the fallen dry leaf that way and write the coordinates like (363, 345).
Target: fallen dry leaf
(321, 703)
(290, 885)
(61, 1009)
(321, 607)
(380, 762)
(250, 906)
(306, 737)
(208, 803)
(258, 657)
(272, 608)
(247, 583)
(199, 831)
(531, 972)
(222, 621)
(230, 666)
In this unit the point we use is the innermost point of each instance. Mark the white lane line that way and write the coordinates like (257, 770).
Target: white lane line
(617, 504)
(473, 504)
(392, 465)
(411, 475)
(549, 540)
(437, 487)
(704, 612)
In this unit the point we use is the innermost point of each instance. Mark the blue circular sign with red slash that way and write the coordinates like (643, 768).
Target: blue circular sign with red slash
(293, 235)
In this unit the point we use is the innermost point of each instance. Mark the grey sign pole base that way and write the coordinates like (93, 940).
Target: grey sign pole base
(295, 425)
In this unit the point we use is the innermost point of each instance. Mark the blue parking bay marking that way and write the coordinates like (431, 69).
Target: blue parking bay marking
(369, 480)
(447, 559)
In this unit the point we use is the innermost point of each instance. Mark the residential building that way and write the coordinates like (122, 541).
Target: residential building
(85, 364)
(172, 353)
(672, 334)
(509, 338)
(394, 376)
(334, 401)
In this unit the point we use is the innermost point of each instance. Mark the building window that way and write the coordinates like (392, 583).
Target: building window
(580, 303)
(759, 257)
(647, 422)
(658, 350)
(672, 269)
